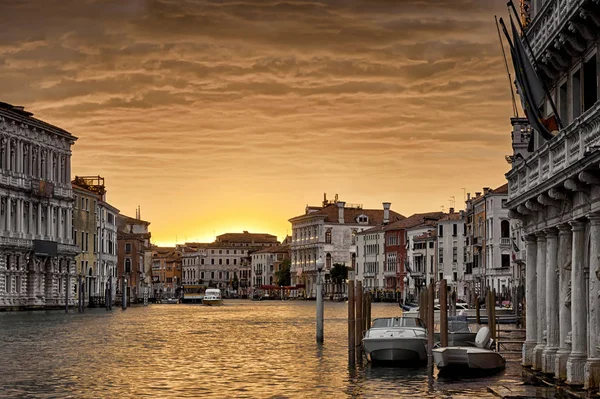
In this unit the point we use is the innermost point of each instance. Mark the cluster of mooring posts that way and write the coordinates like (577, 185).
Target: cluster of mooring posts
(359, 320)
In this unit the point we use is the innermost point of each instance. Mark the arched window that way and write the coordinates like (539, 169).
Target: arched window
(127, 265)
(504, 229)
(328, 261)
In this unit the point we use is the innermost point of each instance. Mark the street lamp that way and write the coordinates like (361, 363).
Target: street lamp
(320, 265)
(405, 288)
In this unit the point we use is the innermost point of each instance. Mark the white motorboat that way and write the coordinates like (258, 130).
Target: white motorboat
(396, 339)
(212, 297)
(459, 332)
(480, 357)
(169, 301)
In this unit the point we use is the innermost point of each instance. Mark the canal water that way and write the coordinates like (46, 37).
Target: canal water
(243, 349)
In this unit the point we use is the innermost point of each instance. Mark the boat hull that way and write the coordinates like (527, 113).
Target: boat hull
(212, 302)
(395, 349)
(468, 357)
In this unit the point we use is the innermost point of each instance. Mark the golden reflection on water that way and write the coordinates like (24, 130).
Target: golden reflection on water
(243, 349)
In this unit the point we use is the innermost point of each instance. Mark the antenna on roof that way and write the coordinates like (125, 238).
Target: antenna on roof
(443, 210)
(452, 201)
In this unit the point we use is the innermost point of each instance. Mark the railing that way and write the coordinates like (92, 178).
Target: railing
(555, 155)
(549, 21)
(505, 242)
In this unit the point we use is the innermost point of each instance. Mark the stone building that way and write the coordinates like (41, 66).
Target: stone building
(555, 192)
(84, 236)
(425, 254)
(133, 243)
(265, 264)
(371, 266)
(416, 264)
(329, 232)
(37, 255)
(167, 281)
(451, 251)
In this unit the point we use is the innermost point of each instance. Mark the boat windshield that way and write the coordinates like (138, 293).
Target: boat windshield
(398, 322)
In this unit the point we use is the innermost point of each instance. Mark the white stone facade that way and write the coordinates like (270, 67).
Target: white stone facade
(37, 255)
(107, 250)
(451, 252)
(371, 258)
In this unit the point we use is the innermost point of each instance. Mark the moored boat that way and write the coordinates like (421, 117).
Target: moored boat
(396, 339)
(477, 358)
(212, 297)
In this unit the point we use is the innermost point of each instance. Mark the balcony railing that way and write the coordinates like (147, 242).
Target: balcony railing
(505, 242)
(549, 21)
(555, 155)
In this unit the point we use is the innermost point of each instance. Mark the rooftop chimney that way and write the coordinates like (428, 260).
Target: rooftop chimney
(468, 196)
(462, 213)
(451, 210)
(486, 190)
(477, 194)
(340, 205)
(386, 212)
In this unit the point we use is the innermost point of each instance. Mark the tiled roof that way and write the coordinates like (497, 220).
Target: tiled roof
(129, 220)
(503, 189)
(330, 215)
(418, 219)
(452, 217)
(274, 250)
(247, 237)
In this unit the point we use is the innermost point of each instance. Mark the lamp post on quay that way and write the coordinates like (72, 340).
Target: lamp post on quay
(320, 264)
(404, 296)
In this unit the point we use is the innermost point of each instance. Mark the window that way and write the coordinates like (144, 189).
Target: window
(82, 241)
(563, 104)
(220, 261)
(87, 205)
(590, 83)
(504, 229)
(82, 203)
(127, 247)
(212, 261)
(202, 261)
(74, 237)
(454, 254)
(431, 244)
(441, 255)
(454, 229)
(328, 236)
(441, 276)
(505, 260)
(212, 275)
(455, 276)
(464, 229)
(441, 230)
(576, 94)
(127, 265)
(95, 244)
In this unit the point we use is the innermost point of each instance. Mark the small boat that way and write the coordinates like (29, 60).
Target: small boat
(169, 300)
(476, 358)
(212, 297)
(459, 332)
(396, 339)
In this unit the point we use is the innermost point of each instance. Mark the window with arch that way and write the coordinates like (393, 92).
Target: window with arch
(328, 261)
(127, 265)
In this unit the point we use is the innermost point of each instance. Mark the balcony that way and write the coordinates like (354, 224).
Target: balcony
(557, 159)
(555, 17)
(505, 242)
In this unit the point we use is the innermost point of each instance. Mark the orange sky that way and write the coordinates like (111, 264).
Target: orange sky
(223, 116)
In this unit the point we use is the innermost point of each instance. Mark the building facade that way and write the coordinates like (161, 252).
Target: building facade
(555, 192)
(132, 245)
(84, 236)
(37, 255)
(451, 252)
(329, 232)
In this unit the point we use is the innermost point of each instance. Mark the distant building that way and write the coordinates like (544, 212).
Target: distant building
(265, 265)
(133, 246)
(166, 272)
(329, 232)
(37, 255)
(451, 252)
(84, 236)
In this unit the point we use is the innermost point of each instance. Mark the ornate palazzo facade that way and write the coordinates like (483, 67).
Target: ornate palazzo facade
(37, 257)
(555, 192)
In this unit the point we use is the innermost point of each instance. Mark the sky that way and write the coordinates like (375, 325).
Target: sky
(231, 115)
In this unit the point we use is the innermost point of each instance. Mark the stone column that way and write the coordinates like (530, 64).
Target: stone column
(8, 214)
(577, 358)
(39, 220)
(19, 216)
(68, 168)
(592, 365)
(551, 301)
(565, 245)
(541, 303)
(530, 301)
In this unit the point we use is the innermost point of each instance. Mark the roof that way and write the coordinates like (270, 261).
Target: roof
(418, 219)
(19, 114)
(451, 217)
(503, 189)
(330, 214)
(84, 190)
(427, 235)
(274, 250)
(247, 238)
(129, 220)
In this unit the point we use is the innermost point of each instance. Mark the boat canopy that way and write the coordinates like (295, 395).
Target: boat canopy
(398, 322)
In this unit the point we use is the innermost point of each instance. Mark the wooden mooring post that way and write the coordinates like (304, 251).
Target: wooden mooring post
(477, 310)
(351, 356)
(443, 294)
(358, 323)
(430, 327)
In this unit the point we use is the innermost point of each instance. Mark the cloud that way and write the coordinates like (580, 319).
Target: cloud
(208, 99)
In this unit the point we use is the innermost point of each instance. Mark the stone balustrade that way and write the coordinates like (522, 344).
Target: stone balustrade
(556, 155)
(549, 22)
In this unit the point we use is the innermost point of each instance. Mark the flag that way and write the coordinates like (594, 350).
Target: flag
(515, 246)
(529, 86)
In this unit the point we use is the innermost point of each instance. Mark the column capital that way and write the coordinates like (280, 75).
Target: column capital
(577, 225)
(551, 232)
(564, 228)
(541, 235)
(594, 218)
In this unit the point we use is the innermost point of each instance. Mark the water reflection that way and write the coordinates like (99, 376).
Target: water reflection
(243, 349)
